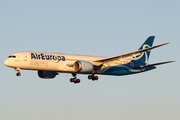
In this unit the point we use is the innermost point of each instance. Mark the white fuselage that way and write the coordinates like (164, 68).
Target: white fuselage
(46, 61)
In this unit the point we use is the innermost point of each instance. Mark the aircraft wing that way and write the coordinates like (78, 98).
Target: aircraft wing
(122, 57)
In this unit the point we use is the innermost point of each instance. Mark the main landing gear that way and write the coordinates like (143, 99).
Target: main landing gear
(93, 77)
(17, 69)
(75, 80)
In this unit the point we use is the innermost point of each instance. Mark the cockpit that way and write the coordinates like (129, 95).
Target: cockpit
(12, 60)
(12, 56)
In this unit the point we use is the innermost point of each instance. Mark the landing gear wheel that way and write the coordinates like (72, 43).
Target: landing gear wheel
(78, 81)
(96, 77)
(93, 77)
(18, 74)
(89, 77)
(72, 80)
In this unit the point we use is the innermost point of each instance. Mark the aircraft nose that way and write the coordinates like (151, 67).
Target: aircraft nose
(6, 62)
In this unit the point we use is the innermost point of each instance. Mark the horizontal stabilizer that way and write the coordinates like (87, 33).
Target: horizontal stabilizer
(156, 64)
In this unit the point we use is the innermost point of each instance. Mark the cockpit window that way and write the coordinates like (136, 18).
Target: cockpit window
(12, 56)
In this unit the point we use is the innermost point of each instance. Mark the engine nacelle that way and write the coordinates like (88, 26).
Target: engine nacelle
(83, 66)
(47, 74)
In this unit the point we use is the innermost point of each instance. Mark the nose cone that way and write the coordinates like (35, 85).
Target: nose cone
(6, 62)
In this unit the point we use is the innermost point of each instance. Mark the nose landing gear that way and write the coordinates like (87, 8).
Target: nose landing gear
(17, 69)
(18, 74)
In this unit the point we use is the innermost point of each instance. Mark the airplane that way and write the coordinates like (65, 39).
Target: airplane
(48, 65)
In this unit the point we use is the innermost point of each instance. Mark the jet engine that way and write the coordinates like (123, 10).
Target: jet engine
(47, 74)
(83, 66)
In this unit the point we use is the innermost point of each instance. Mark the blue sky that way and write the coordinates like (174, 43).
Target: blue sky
(99, 28)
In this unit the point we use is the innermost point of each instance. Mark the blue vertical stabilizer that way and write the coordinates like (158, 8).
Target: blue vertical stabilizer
(143, 58)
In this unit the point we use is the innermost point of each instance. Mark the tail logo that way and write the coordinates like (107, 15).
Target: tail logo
(143, 53)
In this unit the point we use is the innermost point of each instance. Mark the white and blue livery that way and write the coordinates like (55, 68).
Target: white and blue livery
(48, 65)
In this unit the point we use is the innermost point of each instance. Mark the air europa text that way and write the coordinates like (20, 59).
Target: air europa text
(47, 57)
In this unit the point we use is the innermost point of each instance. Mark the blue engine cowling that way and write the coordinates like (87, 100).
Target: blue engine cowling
(47, 74)
(83, 66)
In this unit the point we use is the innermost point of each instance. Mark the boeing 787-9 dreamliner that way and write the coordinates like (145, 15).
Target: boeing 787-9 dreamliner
(48, 65)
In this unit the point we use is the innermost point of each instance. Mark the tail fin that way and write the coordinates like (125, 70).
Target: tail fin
(145, 55)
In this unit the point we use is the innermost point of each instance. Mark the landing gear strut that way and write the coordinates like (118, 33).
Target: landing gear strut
(93, 77)
(75, 80)
(17, 69)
